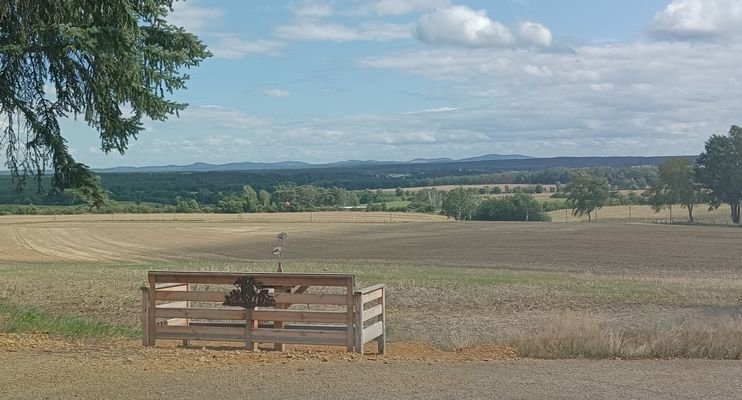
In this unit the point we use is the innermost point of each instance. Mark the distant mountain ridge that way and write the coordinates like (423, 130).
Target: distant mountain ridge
(252, 166)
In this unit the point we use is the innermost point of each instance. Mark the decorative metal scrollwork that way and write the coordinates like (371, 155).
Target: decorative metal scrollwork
(249, 294)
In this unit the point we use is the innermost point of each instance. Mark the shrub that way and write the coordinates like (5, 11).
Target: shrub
(519, 207)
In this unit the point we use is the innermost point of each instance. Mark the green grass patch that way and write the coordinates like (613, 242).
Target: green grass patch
(15, 319)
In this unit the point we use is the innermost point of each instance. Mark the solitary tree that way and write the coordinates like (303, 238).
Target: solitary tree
(252, 203)
(586, 193)
(675, 185)
(719, 169)
(459, 204)
(108, 63)
(91, 193)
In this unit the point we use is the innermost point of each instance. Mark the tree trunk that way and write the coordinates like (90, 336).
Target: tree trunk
(589, 218)
(690, 214)
(735, 211)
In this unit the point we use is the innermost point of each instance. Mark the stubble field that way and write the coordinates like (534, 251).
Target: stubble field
(451, 284)
(547, 290)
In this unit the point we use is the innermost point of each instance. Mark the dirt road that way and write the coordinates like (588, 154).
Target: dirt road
(53, 372)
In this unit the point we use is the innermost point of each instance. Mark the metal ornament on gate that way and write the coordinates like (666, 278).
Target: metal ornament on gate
(249, 294)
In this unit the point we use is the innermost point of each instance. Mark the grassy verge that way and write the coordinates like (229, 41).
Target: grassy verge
(582, 336)
(14, 319)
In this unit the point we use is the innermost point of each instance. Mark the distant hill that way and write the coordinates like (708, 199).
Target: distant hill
(251, 166)
(205, 167)
(497, 157)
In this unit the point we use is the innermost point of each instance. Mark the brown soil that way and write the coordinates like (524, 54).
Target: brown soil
(40, 367)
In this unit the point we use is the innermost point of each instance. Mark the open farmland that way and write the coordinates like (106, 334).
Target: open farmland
(548, 290)
(635, 213)
(451, 283)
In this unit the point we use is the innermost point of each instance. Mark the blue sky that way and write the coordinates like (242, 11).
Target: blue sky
(323, 81)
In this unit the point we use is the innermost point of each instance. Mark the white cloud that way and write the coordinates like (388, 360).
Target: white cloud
(535, 33)
(206, 22)
(401, 7)
(460, 25)
(697, 19)
(621, 98)
(235, 47)
(432, 110)
(312, 9)
(463, 26)
(276, 93)
(194, 17)
(320, 30)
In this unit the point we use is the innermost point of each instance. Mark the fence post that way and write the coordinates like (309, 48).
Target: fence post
(186, 342)
(358, 322)
(146, 332)
(381, 340)
(249, 326)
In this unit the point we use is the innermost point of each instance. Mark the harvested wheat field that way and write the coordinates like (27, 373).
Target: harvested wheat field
(464, 300)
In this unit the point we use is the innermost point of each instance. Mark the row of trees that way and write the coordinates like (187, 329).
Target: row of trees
(715, 178)
(462, 204)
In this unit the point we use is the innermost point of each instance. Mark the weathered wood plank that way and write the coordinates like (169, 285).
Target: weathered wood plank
(358, 324)
(172, 287)
(201, 313)
(151, 319)
(200, 333)
(265, 279)
(281, 298)
(373, 331)
(175, 304)
(381, 341)
(350, 314)
(279, 315)
(327, 299)
(373, 312)
(192, 296)
(370, 289)
(371, 296)
(295, 336)
(146, 332)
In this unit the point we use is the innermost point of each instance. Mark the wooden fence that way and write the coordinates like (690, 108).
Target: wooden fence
(310, 309)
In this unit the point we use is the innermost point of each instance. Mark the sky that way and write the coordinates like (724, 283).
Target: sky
(322, 81)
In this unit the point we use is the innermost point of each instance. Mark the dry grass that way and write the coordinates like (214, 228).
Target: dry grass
(328, 217)
(451, 285)
(574, 335)
(645, 214)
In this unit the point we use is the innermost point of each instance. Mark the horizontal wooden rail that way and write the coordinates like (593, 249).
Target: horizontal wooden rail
(281, 298)
(295, 336)
(200, 333)
(171, 309)
(201, 313)
(373, 331)
(370, 289)
(265, 279)
(372, 312)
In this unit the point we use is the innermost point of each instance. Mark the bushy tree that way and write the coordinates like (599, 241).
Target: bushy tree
(186, 205)
(675, 185)
(459, 204)
(91, 193)
(586, 193)
(430, 198)
(265, 198)
(107, 63)
(252, 203)
(719, 169)
(519, 207)
(231, 204)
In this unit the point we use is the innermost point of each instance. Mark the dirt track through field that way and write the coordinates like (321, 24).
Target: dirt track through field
(120, 374)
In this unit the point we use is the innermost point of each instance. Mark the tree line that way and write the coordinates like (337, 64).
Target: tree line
(714, 178)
